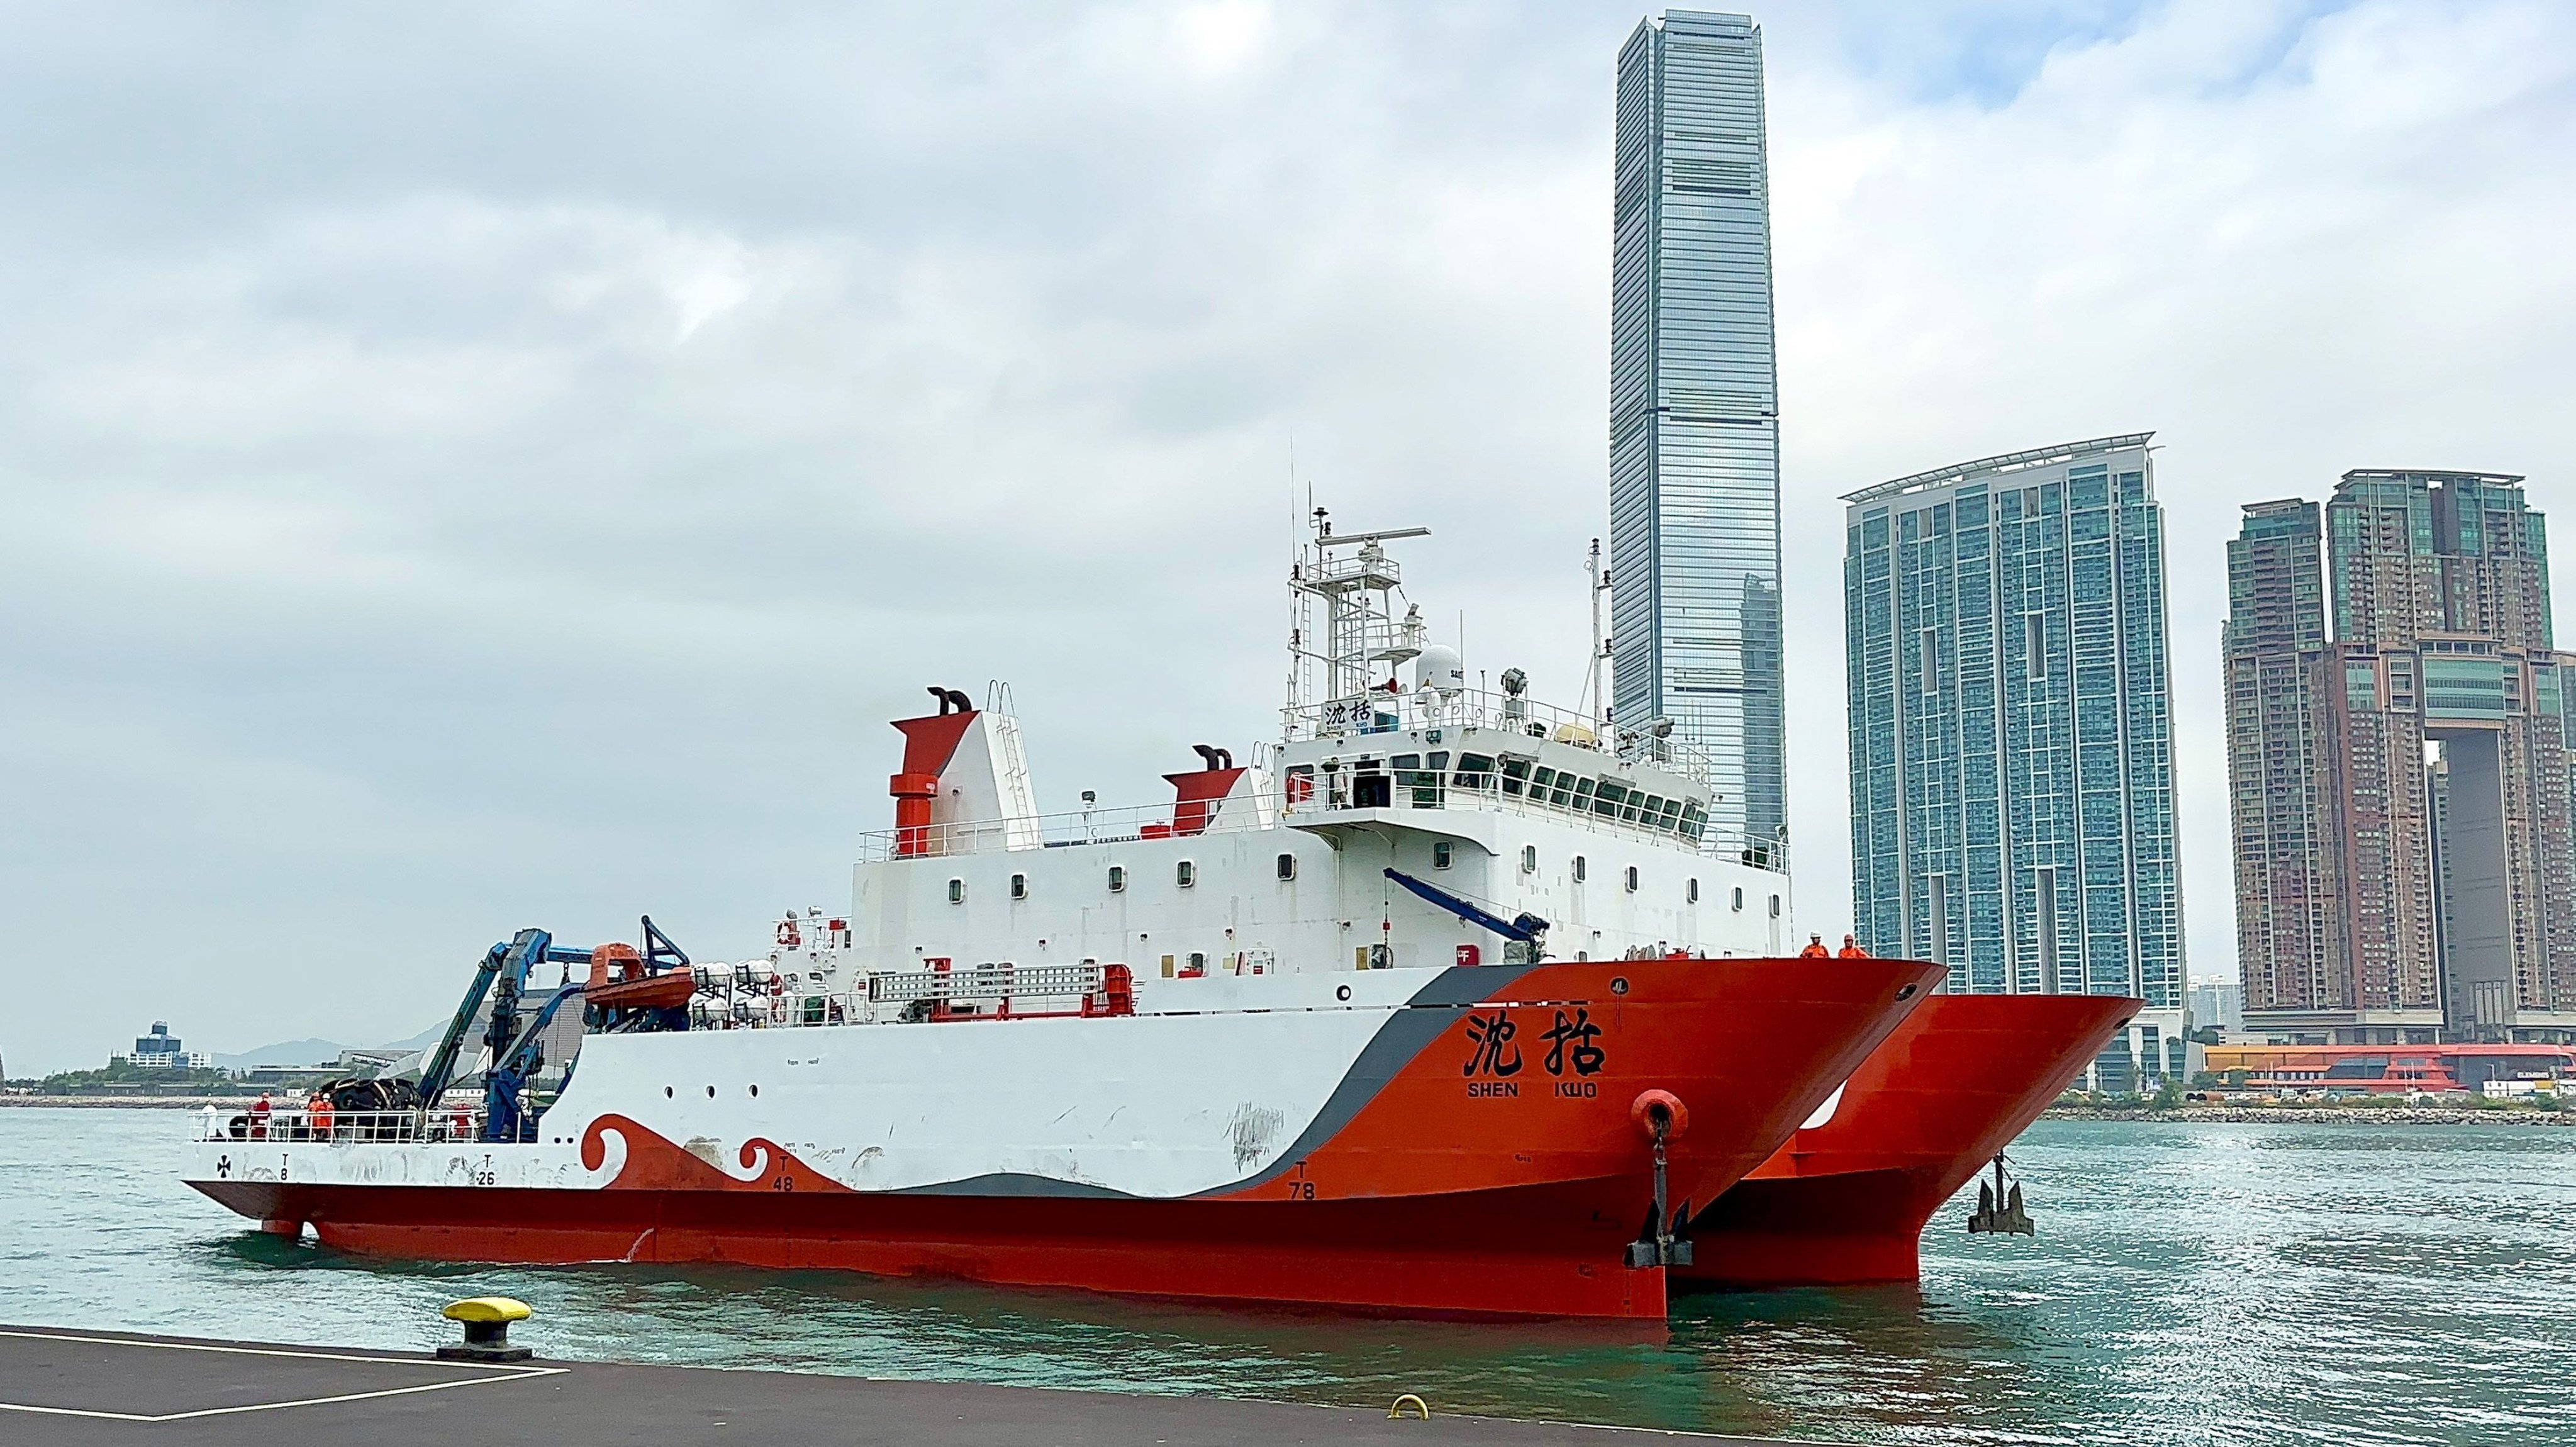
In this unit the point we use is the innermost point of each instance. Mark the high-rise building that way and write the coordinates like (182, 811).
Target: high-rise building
(2011, 734)
(2433, 758)
(1694, 412)
(2275, 634)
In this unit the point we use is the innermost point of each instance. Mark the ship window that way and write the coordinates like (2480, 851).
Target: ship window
(1287, 866)
(1632, 879)
(1019, 886)
(1117, 878)
(1515, 776)
(1440, 854)
(1529, 859)
(1475, 771)
(956, 891)
(1775, 906)
(1405, 763)
(1578, 869)
(1690, 894)
(1582, 795)
(1609, 797)
(1185, 874)
(1739, 898)
(1371, 791)
(1563, 794)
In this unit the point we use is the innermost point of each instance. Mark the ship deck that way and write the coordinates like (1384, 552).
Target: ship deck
(66, 1388)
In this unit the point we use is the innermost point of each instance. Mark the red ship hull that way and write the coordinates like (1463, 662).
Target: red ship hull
(1846, 1202)
(1449, 1193)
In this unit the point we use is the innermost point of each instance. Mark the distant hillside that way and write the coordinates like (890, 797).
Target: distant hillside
(285, 1052)
(319, 1052)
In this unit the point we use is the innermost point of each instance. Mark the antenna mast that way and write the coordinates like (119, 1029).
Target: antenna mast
(1594, 694)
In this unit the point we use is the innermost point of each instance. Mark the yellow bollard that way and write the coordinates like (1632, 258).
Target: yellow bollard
(1419, 1405)
(487, 1329)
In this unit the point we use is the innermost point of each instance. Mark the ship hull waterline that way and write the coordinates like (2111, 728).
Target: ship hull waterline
(1454, 1191)
(1846, 1202)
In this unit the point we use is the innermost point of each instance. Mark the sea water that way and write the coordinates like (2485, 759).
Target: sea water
(2190, 1283)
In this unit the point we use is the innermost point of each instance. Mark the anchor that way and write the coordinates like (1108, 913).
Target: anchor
(1999, 1209)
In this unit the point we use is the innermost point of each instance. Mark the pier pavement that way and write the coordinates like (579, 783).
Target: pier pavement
(68, 1388)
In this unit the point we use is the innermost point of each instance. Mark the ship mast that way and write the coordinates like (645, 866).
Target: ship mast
(1351, 581)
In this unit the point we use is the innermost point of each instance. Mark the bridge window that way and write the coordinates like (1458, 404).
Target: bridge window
(1117, 878)
(1440, 854)
(956, 891)
(1475, 771)
(1287, 866)
(1516, 773)
(1185, 874)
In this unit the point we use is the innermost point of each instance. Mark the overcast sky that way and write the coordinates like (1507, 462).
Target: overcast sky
(471, 467)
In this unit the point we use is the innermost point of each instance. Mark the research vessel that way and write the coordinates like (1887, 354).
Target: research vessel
(1445, 1001)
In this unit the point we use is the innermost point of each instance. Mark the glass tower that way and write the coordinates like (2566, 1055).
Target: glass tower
(2012, 803)
(1694, 412)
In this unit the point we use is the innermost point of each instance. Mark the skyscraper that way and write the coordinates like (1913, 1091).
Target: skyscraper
(2275, 635)
(1694, 411)
(2435, 768)
(2011, 735)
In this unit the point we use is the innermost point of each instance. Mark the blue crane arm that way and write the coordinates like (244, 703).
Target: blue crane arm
(505, 966)
(441, 1065)
(1525, 928)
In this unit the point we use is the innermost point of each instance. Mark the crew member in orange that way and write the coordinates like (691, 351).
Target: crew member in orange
(318, 1111)
(1815, 949)
(1851, 949)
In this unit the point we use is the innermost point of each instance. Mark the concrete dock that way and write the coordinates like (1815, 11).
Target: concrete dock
(66, 1388)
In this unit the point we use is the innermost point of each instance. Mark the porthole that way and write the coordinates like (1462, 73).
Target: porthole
(1341, 992)
(1690, 893)
(956, 891)
(1185, 874)
(666, 1092)
(1618, 984)
(1440, 853)
(1287, 866)
(1529, 859)
(755, 1092)
(711, 1092)
(1117, 878)
(1739, 898)
(1632, 879)
(1019, 886)
(1578, 869)
(1775, 906)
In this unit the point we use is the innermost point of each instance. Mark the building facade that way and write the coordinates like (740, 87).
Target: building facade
(2435, 772)
(2012, 798)
(1694, 411)
(2274, 637)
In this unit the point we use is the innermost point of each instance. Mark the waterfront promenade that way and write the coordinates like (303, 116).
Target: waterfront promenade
(89, 1389)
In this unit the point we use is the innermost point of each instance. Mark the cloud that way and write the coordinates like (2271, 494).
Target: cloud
(474, 471)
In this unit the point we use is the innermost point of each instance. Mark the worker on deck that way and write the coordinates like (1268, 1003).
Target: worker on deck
(1851, 949)
(1815, 949)
(318, 1111)
(259, 1113)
